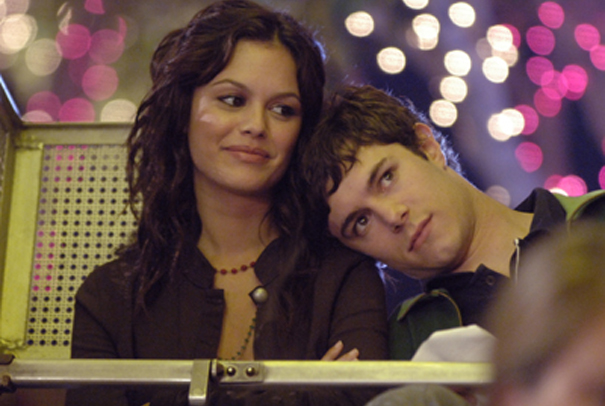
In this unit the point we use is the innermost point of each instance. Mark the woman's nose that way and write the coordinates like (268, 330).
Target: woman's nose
(254, 121)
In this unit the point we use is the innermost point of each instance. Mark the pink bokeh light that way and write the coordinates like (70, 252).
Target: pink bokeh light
(45, 101)
(545, 105)
(529, 156)
(554, 85)
(540, 39)
(531, 118)
(577, 81)
(551, 14)
(100, 82)
(573, 185)
(536, 67)
(77, 110)
(597, 56)
(602, 178)
(94, 6)
(587, 36)
(73, 41)
(106, 46)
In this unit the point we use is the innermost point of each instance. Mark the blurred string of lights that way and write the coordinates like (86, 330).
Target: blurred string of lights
(87, 56)
(499, 52)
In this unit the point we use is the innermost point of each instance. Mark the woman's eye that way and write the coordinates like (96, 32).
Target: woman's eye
(284, 110)
(234, 101)
(360, 225)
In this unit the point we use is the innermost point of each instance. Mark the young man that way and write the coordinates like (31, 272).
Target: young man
(390, 186)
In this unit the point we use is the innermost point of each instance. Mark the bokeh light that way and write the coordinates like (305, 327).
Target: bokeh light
(119, 110)
(426, 27)
(16, 32)
(597, 57)
(73, 41)
(100, 82)
(536, 67)
(515, 33)
(540, 39)
(577, 81)
(359, 24)
(602, 178)
(443, 113)
(531, 119)
(106, 46)
(453, 88)
(529, 155)
(545, 105)
(587, 36)
(572, 185)
(510, 56)
(462, 14)
(77, 110)
(42, 57)
(508, 123)
(495, 69)
(391, 60)
(554, 85)
(499, 37)
(499, 193)
(94, 6)
(551, 14)
(416, 4)
(457, 62)
(47, 102)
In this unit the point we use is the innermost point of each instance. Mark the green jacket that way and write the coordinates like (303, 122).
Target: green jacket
(417, 318)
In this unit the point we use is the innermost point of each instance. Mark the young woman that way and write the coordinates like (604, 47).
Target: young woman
(221, 266)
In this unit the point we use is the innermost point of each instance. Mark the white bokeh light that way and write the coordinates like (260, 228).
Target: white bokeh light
(453, 88)
(462, 14)
(495, 69)
(457, 63)
(359, 24)
(391, 60)
(443, 113)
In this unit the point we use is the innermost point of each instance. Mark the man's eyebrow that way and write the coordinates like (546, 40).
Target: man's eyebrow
(373, 175)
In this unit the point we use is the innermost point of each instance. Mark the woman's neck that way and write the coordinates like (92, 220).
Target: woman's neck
(235, 228)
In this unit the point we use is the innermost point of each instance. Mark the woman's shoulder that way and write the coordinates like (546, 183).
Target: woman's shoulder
(336, 255)
(110, 278)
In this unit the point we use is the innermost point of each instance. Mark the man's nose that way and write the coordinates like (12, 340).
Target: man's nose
(394, 215)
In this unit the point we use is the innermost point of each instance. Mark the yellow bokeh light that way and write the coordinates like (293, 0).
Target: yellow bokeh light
(42, 57)
(500, 37)
(359, 24)
(391, 60)
(457, 63)
(416, 4)
(462, 14)
(453, 88)
(16, 31)
(443, 113)
(495, 69)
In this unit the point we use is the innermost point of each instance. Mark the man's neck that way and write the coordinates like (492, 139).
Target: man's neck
(496, 230)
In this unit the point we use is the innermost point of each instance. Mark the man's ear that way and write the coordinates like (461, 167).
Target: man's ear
(429, 145)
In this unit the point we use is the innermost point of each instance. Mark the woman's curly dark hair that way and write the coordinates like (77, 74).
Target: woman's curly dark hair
(159, 166)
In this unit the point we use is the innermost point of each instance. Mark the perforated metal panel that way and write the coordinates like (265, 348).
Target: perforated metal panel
(81, 221)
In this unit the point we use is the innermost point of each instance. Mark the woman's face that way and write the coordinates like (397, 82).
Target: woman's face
(245, 122)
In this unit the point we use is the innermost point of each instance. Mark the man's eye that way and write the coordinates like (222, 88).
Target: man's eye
(360, 225)
(284, 110)
(234, 101)
(386, 178)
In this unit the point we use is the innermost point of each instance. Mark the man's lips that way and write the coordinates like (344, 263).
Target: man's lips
(419, 234)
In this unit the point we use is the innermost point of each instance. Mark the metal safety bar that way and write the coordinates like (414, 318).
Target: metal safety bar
(202, 375)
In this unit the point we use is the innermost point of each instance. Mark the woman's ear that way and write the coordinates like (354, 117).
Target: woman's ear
(429, 145)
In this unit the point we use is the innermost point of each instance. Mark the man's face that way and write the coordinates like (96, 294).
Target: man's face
(403, 210)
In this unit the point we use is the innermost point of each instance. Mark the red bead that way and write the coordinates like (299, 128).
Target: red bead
(252, 264)
(234, 271)
(244, 267)
(224, 271)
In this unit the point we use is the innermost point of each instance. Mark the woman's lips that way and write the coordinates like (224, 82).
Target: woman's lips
(248, 154)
